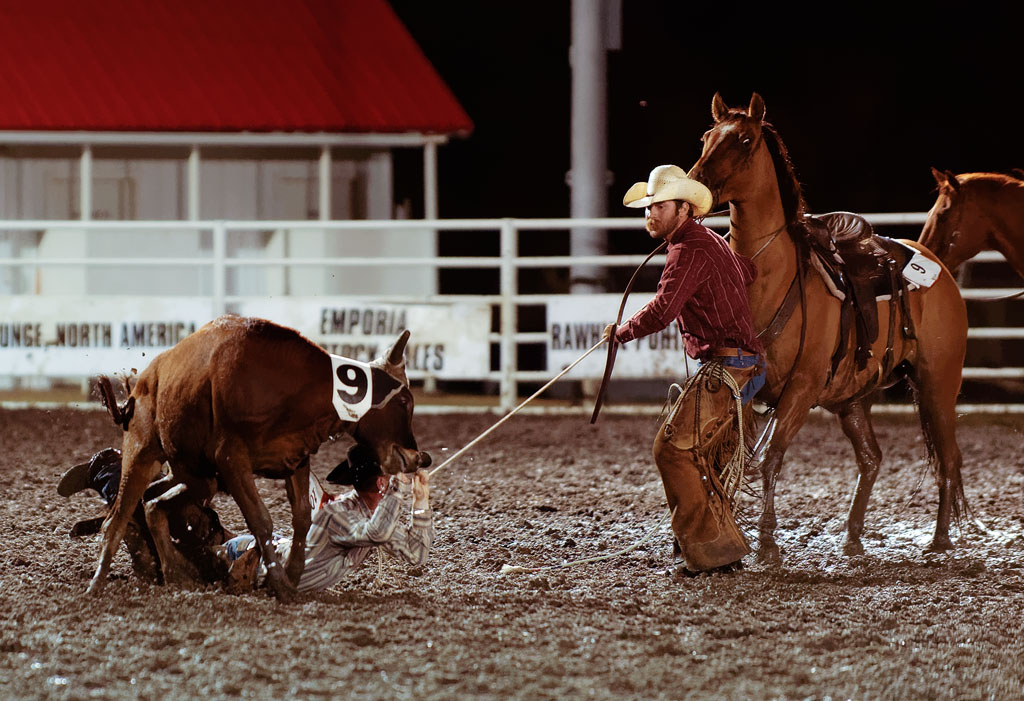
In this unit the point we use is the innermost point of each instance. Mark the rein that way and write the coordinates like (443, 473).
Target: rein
(795, 293)
(771, 237)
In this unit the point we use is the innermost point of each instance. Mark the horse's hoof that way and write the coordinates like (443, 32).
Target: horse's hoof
(769, 554)
(852, 547)
(939, 545)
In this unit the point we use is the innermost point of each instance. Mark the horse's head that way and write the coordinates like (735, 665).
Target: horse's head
(745, 161)
(943, 230)
(386, 429)
(728, 163)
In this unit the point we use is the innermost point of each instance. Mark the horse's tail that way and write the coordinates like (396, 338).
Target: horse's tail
(122, 414)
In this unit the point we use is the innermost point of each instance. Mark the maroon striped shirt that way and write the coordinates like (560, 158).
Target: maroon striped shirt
(704, 288)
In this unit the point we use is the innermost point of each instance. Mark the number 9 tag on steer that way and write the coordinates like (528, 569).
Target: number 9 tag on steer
(352, 391)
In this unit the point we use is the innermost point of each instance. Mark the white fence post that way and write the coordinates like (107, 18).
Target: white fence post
(509, 288)
(220, 254)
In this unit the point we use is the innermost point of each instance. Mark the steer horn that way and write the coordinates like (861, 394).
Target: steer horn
(612, 345)
(396, 354)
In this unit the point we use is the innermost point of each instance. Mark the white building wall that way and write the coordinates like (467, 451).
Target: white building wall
(156, 189)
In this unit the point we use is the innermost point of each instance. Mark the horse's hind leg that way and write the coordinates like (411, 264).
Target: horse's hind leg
(937, 407)
(855, 419)
(936, 375)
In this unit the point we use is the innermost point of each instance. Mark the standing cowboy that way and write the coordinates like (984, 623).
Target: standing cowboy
(703, 287)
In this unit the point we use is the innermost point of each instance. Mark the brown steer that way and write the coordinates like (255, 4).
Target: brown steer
(242, 397)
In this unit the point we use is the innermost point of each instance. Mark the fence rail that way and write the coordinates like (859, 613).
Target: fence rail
(507, 262)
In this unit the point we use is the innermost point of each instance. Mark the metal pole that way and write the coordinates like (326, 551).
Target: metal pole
(430, 180)
(587, 177)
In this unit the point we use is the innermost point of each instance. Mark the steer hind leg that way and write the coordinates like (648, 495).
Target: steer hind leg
(139, 467)
(855, 418)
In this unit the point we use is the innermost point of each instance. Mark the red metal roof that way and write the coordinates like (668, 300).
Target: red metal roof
(217, 65)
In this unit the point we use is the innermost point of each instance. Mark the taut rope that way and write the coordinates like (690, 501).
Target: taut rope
(514, 411)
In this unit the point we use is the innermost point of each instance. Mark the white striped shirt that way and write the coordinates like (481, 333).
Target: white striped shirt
(344, 532)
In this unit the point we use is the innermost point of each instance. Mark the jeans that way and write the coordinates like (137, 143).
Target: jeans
(239, 544)
(745, 361)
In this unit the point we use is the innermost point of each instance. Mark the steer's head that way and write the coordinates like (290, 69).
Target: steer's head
(386, 429)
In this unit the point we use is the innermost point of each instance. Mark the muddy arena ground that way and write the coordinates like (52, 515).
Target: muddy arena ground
(895, 623)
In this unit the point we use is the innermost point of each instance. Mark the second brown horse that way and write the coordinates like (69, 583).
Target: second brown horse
(745, 163)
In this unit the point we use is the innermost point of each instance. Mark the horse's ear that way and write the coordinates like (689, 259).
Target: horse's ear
(756, 109)
(718, 109)
(945, 179)
(952, 181)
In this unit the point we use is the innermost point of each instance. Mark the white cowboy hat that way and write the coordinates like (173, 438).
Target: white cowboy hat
(670, 183)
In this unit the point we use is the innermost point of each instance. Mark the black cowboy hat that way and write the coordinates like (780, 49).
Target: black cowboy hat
(360, 469)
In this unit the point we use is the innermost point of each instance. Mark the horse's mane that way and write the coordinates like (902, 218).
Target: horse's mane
(992, 181)
(793, 204)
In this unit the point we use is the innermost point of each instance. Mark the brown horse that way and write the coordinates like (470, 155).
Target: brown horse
(745, 163)
(975, 212)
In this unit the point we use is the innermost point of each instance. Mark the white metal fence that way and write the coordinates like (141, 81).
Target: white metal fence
(506, 264)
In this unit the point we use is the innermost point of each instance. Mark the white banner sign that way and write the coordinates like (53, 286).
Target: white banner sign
(576, 322)
(447, 340)
(63, 336)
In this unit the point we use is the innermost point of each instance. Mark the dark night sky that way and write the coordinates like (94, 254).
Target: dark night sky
(865, 101)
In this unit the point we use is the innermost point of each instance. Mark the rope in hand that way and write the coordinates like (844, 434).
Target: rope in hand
(514, 411)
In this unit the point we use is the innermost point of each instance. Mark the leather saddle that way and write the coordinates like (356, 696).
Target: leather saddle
(863, 267)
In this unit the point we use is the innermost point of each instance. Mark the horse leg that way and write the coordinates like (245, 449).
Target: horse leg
(236, 474)
(855, 419)
(790, 419)
(297, 487)
(937, 408)
(936, 375)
